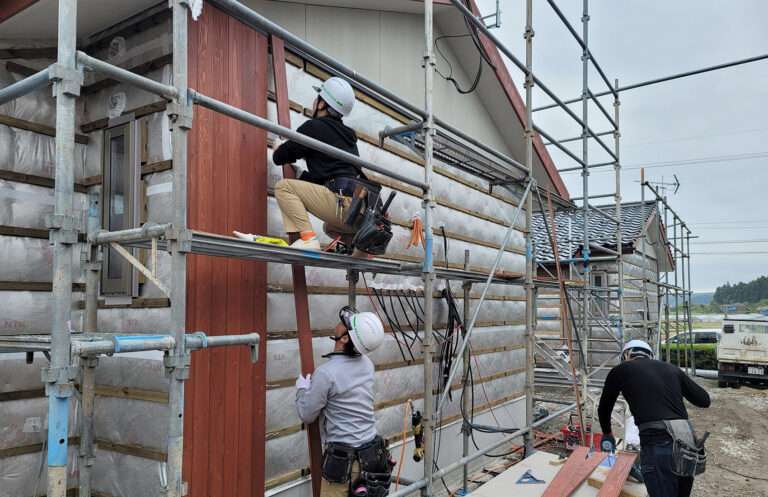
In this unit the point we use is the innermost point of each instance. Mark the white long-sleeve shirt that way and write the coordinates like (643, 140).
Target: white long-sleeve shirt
(341, 394)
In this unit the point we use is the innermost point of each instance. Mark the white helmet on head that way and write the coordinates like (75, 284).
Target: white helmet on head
(364, 328)
(338, 94)
(635, 348)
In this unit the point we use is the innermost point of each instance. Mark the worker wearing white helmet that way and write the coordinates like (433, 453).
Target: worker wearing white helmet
(655, 391)
(327, 187)
(340, 393)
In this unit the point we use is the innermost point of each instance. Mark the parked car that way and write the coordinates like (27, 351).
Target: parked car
(705, 335)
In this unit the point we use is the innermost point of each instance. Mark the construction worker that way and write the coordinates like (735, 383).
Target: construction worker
(654, 391)
(340, 393)
(326, 188)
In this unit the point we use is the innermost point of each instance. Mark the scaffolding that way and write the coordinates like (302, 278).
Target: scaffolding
(436, 138)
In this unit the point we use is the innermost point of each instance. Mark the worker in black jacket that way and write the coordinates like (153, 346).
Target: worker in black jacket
(322, 189)
(654, 391)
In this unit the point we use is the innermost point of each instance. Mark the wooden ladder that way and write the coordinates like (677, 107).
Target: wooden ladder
(299, 278)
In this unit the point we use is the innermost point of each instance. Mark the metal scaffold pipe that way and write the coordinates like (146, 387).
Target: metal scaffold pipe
(267, 125)
(63, 224)
(25, 86)
(428, 272)
(120, 74)
(495, 445)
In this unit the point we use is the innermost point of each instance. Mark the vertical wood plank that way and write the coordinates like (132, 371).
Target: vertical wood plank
(254, 160)
(227, 186)
(304, 329)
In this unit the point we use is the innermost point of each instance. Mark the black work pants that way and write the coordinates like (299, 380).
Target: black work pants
(656, 462)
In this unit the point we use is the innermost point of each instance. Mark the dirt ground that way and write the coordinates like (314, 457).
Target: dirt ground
(738, 422)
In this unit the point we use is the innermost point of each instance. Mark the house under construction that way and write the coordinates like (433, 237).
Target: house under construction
(136, 137)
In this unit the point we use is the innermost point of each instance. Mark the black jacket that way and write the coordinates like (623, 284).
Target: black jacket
(654, 391)
(321, 167)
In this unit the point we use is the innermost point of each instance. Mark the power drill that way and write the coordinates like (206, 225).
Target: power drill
(418, 436)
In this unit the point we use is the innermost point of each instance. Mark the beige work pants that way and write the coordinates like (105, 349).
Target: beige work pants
(328, 489)
(296, 198)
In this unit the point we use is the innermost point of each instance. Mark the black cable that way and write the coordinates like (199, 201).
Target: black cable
(392, 326)
(740, 474)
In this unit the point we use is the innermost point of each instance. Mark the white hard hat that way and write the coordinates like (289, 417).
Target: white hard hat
(639, 346)
(366, 332)
(338, 94)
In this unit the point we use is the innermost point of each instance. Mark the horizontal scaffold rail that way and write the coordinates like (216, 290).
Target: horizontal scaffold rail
(202, 243)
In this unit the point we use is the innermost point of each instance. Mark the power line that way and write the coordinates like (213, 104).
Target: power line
(733, 228)
(731, 242)
(688, 138)
(729, 222)
(683, 162)
(725, 253)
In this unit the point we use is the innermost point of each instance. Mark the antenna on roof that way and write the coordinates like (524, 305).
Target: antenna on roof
(664, 186)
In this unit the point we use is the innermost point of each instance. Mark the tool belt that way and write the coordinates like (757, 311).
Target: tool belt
(348, 186)
(375, 467)
(689, 457)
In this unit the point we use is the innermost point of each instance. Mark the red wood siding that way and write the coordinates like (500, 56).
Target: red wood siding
(227, 190)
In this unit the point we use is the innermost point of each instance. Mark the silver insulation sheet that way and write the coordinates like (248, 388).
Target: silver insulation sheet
(30, 312)
(19, 475)
(128, 421)
(31, 259)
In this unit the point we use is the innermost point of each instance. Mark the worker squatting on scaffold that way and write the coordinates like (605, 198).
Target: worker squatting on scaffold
(670, 452)
(356, 461)
(336, 191)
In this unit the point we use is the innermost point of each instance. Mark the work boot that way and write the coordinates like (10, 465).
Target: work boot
(309, 244)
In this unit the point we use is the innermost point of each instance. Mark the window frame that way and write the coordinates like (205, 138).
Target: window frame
(127, 284)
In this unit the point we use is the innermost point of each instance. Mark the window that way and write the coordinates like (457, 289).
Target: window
(600, 304)
(120, 190)
(728, 328)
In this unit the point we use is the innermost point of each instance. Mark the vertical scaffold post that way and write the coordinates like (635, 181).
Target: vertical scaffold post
(620, 257)
(428, 274)
(688, 340)
(690, 293)
(586, 330)
(529, 302)
(64, 226)
(644, 268)
(677, 291)
(91, 262)
(666, 280)
(465, 393)
(177, 361)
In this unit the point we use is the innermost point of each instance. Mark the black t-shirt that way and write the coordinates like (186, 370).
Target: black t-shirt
(654, 391)
(321, 167)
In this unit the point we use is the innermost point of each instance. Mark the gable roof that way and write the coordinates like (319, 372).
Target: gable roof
(569, 225)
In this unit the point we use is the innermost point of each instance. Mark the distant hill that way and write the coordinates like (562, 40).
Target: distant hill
(702, 298)
(753, 291)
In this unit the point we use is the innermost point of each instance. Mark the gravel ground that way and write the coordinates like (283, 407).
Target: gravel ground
(738, 422)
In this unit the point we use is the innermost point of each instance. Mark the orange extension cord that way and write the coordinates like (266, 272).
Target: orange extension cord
(402, 452)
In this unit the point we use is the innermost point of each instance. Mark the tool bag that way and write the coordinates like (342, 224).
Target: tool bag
(375, 470)
(337, 462)
(375, 232)
(689, 457)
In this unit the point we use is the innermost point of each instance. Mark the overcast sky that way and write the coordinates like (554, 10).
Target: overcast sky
(720, 117)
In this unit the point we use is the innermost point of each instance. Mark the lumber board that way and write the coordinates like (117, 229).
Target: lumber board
(574, 472)
(141, 111)
(304, 328)
(31, 179)
(37, 128)
(617, 477)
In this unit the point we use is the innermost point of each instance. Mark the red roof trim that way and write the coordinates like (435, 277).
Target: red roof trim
(502, 74)
(10, 8)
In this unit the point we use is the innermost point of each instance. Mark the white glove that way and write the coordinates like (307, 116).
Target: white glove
(298, 169)
(302, 382)
(277, 143)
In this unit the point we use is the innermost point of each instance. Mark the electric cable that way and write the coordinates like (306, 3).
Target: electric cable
(740, 474)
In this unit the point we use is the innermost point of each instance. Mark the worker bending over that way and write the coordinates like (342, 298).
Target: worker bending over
(670, 452)
(340, 392)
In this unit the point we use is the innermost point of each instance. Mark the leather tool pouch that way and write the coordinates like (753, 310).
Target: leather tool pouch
(373, 457)
(689, 457)
(337, 462)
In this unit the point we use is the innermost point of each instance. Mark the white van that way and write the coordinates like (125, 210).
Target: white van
(742, 354)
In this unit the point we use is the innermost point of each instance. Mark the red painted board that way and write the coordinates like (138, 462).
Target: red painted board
(304, 329)
(227, 189)
(617, 476)
(9, 8)
(574, 472)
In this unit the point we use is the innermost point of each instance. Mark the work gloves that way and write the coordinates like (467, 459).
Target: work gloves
(302, 382)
